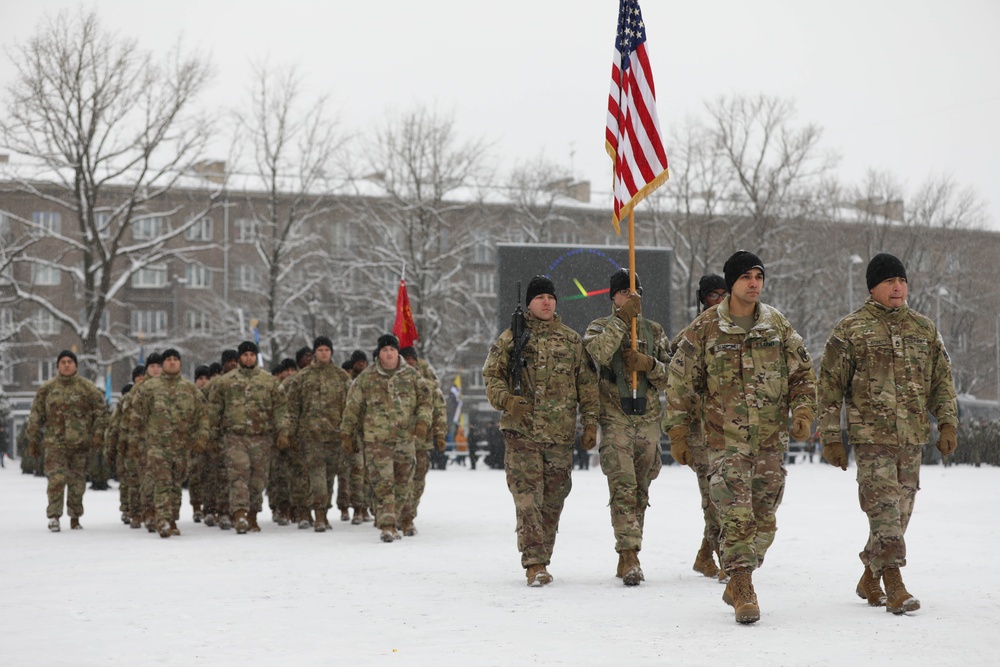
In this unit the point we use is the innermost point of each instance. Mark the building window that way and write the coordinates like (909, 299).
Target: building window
(5, 233)
(246, 230)
(482, 251)
(247, 278)
(45, 275)
(46, 371)
(150, 276)
(7, 373)
(45, 324)
(149, 322)
(200, 230)
(198, 276)
(48, 222)
(103, 223)
(6, 321)
(197, 322)
(145, 229)
(485, 284)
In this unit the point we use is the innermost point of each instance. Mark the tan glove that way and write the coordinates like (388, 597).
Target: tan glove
(439, 443)
(637, 361)
(283, 442)
(589, 438)
(201, 444)
(517, 407)
(420, 430)
(347, 442)
(802, 422)
(834, 454)
(629, 309)
(948, 440)
(679, 444)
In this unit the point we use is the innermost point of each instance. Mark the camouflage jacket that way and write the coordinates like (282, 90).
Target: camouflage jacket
(439, 425)
(743, 382)
(315, 398)
(169, 412)
(890, 367)
(557, 379)
(605, 340)
(385, 406)
(245, 401)
(68, 411)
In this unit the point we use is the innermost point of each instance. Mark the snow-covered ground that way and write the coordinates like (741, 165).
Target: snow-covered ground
(455, 594)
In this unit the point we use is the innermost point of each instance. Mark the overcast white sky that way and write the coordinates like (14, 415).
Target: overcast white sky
(909, 86)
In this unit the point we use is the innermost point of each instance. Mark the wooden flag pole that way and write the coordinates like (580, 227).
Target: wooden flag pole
(631, 286)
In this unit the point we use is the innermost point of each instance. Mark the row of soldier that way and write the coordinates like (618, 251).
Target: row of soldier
(237, 430)
(735, 381)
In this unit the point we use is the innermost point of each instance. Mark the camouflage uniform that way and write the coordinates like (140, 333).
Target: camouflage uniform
(283, 471)
(743, 384)
(384, 406)
(539, 448)
(315, 398)
(890, 368)
(439, 428)
(68, 418)
(215, 486)
(630, 444)
(699, 455)
(244, 410)
(170, 415)
(111, 441)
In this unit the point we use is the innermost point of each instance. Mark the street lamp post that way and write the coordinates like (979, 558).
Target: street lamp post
(852, 261)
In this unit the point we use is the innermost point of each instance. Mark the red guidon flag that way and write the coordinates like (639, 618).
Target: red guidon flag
(633, 137)
(404, 329)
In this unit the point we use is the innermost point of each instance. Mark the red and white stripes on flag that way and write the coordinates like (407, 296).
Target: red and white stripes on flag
(633, 138)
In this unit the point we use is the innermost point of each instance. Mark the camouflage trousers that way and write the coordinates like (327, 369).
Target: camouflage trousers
(166, 468)
(298, 487)
(326, 462)
(132, 484)
(630, 459)
(196, 475)
(390, 471)
(99, 472)
(423, 464)
(66, 470)
(279, 480)
(248, 459)
(747, 490)
(888, 481)
(699, 463)
(538, 477)
(215, 480)
(360, 493)
(343, 479)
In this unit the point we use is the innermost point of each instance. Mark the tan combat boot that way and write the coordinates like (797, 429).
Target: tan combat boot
(135, 522)
(253, 526)
(409, 530)
(538, 576)
(631, 570)
(897, 599)
(174, 530)
(240, 522)
(150, 521)
(321, 523)
(345, 514)
(621, 564)
(869, 588)
(305, 519)
(740, 596)
(196, 513)
(163, 528)
(74, 524)
(704, 562)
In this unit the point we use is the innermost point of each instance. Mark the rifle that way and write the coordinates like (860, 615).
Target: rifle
(521, 334)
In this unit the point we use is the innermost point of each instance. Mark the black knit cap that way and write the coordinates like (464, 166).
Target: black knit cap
(358, 355)
(67, 353)
(386, 339)
(214, 368)
(138, 371)
(739, 263)
(154, 359)
(202, 371)
(170, 352)
(287, 364)
(127, 388)
(539, 285)
(230, 355)
(408, 352)
(708, 284)
(302, 353)
(247, 346)
(882, 267)
(322, 341)
(619, 281)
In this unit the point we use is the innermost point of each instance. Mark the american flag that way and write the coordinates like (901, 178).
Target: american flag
(633, 137)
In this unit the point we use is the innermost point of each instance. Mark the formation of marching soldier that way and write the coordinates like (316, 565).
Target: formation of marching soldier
(735, 381)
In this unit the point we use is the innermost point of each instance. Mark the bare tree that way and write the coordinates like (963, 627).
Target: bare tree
(292, 144)
(108, 131)
(536, 189)
(427, 200)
